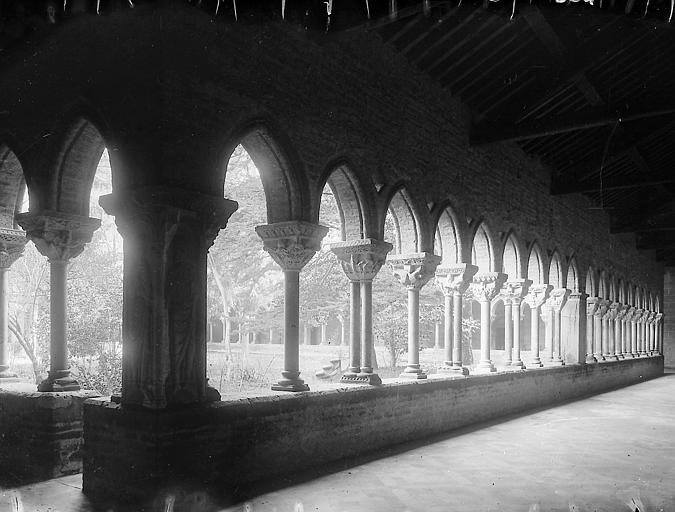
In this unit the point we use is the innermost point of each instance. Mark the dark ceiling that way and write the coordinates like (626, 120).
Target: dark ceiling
(589, 91)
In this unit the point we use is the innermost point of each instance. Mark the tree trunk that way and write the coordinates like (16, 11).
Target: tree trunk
(15, 329)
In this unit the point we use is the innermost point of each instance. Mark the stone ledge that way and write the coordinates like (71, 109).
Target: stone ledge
(235, 447)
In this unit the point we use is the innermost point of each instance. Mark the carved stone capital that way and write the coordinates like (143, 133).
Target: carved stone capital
(293, 243)
(557, 298)
(603, 307)
(487, 285)
(537, 295)
(362, 259)
(514, 290)
(58, 236)
(630, 313)
(12, 243)
(612, 311)
(414, 270)
(148, 208)
(455, 278)
(659, 317)
(592, 304)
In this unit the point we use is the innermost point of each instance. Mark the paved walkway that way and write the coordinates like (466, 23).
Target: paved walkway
(611, 452)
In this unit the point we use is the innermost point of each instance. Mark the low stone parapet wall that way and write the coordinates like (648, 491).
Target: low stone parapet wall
(41, 433)
(238, 447)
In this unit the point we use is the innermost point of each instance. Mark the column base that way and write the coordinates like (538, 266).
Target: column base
(8, 376)
(413, 372)
(484, 367)
(599, 357)
(361, 378)
(635, 355)
(612, 358)
(291, 382)
(590, 359)
(59, 381)
(452, 370)
(516, 366)
(535, 363)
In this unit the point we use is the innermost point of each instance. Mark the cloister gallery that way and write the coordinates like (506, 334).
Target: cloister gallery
(510, 175)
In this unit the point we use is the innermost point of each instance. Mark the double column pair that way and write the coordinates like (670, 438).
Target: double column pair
(512, 294)
(361, 260)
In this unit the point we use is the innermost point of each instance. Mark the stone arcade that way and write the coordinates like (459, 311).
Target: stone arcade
(170, 90)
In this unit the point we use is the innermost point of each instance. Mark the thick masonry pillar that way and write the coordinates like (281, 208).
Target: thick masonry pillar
(167, 233)
(556, 302)
(573, 328)
(291, 244)
(513, 293)
(12, 243)
(453, 282)
(485, 287)
(59, 237)
(414, 271)
(659, 333)
(592, 304)
(536, 298)
(361, 260)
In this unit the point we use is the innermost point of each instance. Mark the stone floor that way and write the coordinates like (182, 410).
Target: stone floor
(611, 452)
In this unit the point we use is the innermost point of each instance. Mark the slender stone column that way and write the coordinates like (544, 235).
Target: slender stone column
(437, 335)
(618, 331)
(59, 237)
(634, 332)
(485, 287)
(12, 243)
(291, 244)
(547, 317)
(414, 271)
(536, 298)
(625, 331)
(608, 331)
(324, 337)
(513, 293)
(361, 260)
(556, 302)
(598, 338)
(167, 234)
(592, 304)
(453, 282)
(643, 331)
(650, 334)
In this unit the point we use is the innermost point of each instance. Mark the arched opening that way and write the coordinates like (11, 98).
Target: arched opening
(591, 286)
(555, 271)
(621, 291)
(535, 266)
(572, 276)
(511, 258)
(481, 250)
(401, 222)
(525, 327)
(447, 239)
(497, 314)
(603, 286)
(347, 195)
(612, 288)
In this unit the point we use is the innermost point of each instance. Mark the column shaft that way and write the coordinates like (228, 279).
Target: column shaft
(485, 361)
(548, 333)
(354, 327)
(366, 326)
(4, 326)
(447, 329)
(457, 329)
(517, 361)
(597, 338)
(508, 331)
(534, 336)
(557, 345)
(58, 301)
(413, 330)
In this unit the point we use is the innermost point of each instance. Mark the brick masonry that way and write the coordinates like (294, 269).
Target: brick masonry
(40, 433)
(233, 448)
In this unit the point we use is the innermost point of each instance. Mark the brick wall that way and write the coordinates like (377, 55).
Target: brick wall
(40, 433)
(237, 447)
(191, 87)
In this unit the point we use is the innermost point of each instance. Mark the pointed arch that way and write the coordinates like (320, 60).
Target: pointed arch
(651, 301)
(12, 187)
(555, 277)
(406, 222)
(630, 295)
(603, 285)
(657, 304)
(350, 196)
(591, 283)
(285, 187)
(572, 282)
(511, 257)
(448, 239)
(612, 295)
(621, 291)
(535, 265)
(645, 298)
(482, 249)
